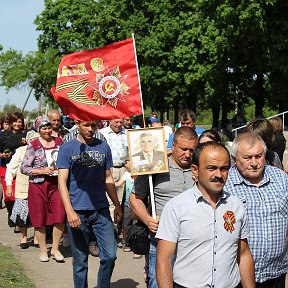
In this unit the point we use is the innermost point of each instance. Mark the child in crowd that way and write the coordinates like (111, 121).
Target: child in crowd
(127, 221)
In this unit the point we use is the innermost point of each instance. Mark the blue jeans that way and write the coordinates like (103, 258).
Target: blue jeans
(99, 222)
(152, 282)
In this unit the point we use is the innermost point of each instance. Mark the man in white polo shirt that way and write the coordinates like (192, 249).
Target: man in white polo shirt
(206, 229)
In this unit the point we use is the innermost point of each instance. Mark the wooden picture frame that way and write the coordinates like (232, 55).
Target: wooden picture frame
(147, 151)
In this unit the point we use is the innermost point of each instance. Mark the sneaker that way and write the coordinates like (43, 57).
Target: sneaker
(137, 256)
(93, 248)
(66, 241)
(126, 248)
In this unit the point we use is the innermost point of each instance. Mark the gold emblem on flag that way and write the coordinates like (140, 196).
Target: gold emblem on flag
(109, 87)
(229, 220)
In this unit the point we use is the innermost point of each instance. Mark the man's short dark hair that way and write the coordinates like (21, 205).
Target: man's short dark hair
(186, 113)
(186, 132)
(201, 146)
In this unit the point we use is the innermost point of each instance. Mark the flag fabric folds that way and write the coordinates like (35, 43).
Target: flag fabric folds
(99, 84)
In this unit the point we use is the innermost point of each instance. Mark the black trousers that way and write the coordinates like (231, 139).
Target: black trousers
(273, 283)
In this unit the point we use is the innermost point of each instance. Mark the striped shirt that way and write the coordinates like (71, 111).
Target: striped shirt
(267, 209)
(75, 132)
(118, 144)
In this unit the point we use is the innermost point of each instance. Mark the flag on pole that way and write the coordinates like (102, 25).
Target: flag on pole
(99, 84)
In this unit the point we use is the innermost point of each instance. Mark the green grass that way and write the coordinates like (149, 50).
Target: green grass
(11, 271)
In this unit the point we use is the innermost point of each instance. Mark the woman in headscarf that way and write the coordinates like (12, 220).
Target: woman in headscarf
(10, 140)
(44, 202)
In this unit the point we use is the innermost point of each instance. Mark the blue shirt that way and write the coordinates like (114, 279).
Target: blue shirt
(267, 209)
(87, 164)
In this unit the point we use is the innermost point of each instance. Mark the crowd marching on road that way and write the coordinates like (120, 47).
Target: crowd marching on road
(221, 216)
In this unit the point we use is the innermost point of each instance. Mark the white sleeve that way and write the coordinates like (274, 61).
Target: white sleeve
(125, 176)
(169, 225)
(12, 167)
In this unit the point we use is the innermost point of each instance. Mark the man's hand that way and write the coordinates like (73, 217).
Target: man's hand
(73, 219)
(153, 224)
(118, 214)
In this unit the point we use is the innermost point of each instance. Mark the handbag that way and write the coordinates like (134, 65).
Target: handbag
(138, 238)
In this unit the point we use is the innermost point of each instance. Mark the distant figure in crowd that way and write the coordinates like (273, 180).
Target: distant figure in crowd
(127, 219)
(168, 130)
(154, 117)
(166, 186)
(187, 118)
(55, 119)
(205, 229)
(264, 129)
(127, 123)
(263, 189)
(85, 201)
(44, 202)
(116, 138)
(210, 135)
(279, 144)
(20, 212)
(4, 125)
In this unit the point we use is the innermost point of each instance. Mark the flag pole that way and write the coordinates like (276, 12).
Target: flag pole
(135, 54)
(152, 201)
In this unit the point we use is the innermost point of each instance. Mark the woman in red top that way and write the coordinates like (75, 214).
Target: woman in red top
(10, 140)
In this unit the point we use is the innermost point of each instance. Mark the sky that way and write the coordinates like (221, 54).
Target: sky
(19, 33)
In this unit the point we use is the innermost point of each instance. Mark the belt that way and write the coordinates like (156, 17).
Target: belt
(119, 166)
(177, 285)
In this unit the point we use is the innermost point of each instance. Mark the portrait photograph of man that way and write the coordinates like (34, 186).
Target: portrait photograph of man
(51, 156)
(147, 151)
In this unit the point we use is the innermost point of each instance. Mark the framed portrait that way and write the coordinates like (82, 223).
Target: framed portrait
(51, 156)
(147, 151)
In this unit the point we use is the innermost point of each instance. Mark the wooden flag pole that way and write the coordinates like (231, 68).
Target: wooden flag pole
(142, 107)
(152, 200)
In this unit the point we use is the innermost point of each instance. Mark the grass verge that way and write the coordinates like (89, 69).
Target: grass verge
(11, 271)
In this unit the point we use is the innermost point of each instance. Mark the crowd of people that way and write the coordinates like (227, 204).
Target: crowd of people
(221, 217)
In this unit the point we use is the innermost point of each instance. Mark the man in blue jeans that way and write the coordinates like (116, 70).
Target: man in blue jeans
(166, 186)
(84, 175)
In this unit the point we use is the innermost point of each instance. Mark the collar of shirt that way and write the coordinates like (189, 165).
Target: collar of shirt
(173, 165)
(238, 179)
(109, 130)
(198, 195)
(146, 154)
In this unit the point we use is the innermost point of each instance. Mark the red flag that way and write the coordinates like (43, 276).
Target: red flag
(101, 83)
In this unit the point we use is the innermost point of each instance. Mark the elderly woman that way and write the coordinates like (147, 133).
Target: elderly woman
(44, 202)
(10, 140)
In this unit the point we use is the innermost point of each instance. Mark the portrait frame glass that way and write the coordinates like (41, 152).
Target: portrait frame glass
(51, 161)
(147, 151)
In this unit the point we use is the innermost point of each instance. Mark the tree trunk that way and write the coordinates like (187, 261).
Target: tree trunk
(215, 112)
(259, 97)
(176, 113)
